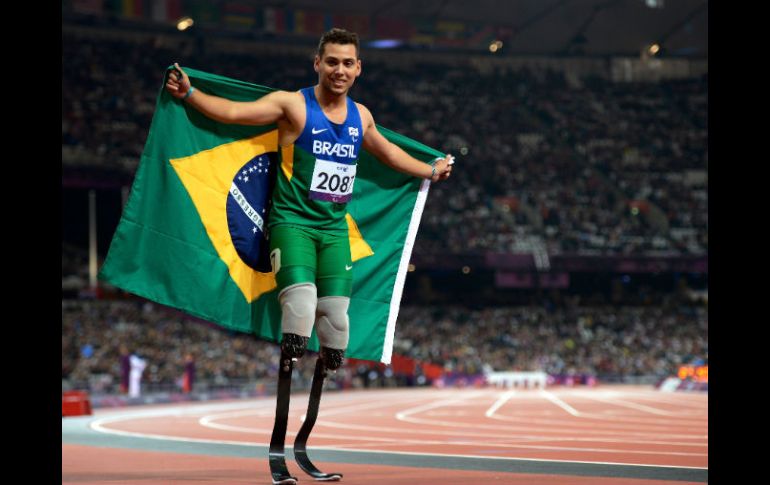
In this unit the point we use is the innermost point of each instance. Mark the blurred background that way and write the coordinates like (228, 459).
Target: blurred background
(571, 241)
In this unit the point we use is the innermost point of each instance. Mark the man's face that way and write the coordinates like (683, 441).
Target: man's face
(338, 68)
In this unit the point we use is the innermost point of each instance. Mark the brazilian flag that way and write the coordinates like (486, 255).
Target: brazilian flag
(191, 235)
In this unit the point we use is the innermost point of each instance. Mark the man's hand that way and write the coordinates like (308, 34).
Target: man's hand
(443, 168)
(177, 82)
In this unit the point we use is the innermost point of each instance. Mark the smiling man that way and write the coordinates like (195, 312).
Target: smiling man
(321, 132)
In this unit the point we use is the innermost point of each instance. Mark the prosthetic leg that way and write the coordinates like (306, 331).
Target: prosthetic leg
(298, 305)
(328, 359)
(298, 308)
(332, 326)
(292, 348)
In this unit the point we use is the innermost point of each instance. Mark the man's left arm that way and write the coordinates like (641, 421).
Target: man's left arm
(393, 156)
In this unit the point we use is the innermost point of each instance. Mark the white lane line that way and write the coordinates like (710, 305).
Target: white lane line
(619, 397)
(455, 424)
(616, 422)
(640, 407)
(551, 397)
(544, 460)
(186, 410)
(565, 448)
(541, 430)
(209, 421)
(684, 408)
(504, 437)
(98, 426)
(676, 398)
(499, 403)
(404, 415)
(619, 402)
(365, 406)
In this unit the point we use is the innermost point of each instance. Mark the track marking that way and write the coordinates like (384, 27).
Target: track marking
(499, 403)
(209, 420)
(551, 397)
(554, 399)
(253, 445)
(544, 460)
(640, 407)
(359, 440)
(404, 415)
(506, 437)
(455, 424)
(608, 422)
(98, 426)
(692, 406)
(541, 447)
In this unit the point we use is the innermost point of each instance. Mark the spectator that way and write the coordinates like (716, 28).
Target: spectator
(188, 378)
(135, 375)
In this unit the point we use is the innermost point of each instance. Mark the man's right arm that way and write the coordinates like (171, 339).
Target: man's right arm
(267, 109)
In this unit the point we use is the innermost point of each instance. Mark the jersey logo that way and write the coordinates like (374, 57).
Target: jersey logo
(336, 149)
(348, 268)
(353, 133)
(275, 259)
(319, 131)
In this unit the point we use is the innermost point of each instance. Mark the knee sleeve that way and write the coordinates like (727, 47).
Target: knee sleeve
(298, 309)
(332, 324)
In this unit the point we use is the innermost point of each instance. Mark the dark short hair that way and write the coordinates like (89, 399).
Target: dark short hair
(338, 36)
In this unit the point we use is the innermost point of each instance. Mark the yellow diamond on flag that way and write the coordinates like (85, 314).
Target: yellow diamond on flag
(207, 176)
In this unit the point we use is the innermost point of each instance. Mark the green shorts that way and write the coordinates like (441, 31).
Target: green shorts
(303, 255)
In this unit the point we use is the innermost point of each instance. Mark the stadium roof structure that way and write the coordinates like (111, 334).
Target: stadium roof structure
(556, 27)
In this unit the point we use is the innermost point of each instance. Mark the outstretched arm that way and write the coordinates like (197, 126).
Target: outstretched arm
(267, 109)
(393, 156)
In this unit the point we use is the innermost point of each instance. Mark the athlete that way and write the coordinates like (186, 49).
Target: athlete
(321, 132)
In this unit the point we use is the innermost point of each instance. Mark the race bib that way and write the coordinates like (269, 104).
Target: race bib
(332, 181)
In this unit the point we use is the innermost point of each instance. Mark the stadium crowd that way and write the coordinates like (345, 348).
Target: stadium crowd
(605, 341)
(569, 165)
(159, 335)
(608, 342)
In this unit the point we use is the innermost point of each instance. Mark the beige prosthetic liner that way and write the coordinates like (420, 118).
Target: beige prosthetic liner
(298, 309)
(332, 323)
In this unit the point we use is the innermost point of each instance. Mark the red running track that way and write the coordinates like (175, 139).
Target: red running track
(607, 426)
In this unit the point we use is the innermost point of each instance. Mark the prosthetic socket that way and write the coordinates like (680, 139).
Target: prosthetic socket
(301, 310)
